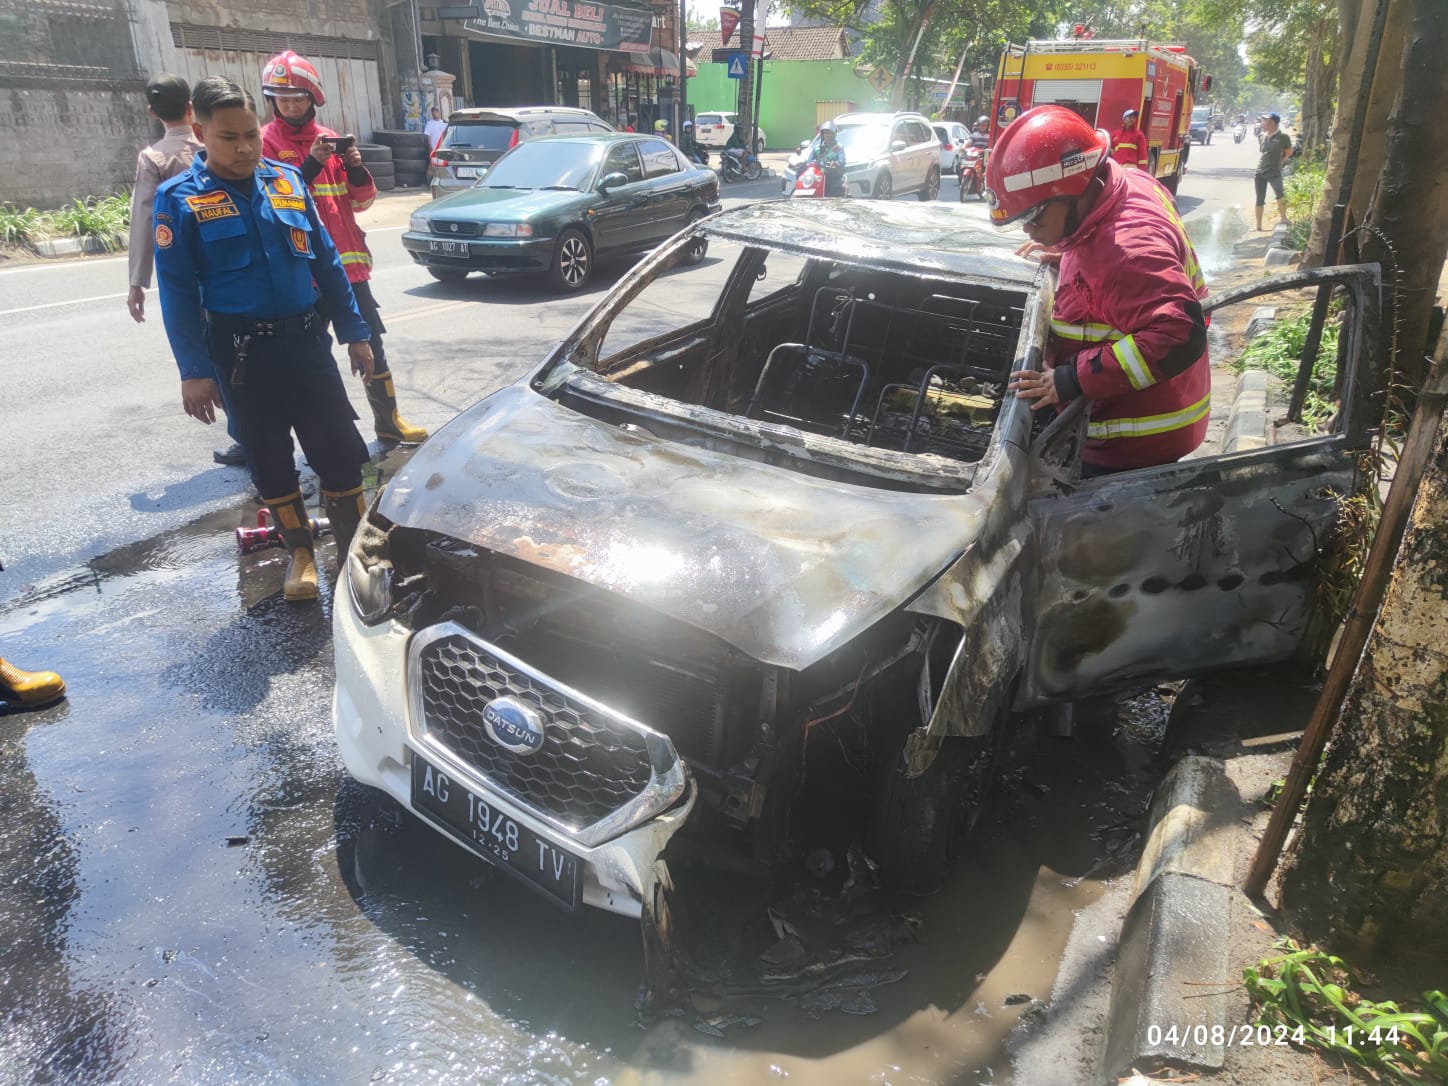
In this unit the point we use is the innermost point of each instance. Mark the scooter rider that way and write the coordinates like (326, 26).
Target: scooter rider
(980, 133)
(240, 255)
(829, 156)
(341, 186)
(690, 146)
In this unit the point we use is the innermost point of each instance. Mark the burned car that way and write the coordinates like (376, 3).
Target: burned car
(778, 494)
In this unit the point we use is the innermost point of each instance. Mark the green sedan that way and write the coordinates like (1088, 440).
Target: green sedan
(558, 205)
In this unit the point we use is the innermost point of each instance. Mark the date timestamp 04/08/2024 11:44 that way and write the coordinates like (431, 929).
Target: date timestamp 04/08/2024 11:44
(1245, 1035)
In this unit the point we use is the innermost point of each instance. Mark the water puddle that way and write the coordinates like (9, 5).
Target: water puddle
(222, 904)
(1213, 237)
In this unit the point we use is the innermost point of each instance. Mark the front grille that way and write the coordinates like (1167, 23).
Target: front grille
(447, 228)
(590, 765)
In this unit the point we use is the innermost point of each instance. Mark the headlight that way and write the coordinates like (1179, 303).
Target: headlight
(369, 569)
(420, 224)
(508, 230)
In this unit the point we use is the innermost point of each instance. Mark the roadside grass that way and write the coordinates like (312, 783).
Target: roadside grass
(106, 218)
(1311, 994)
(1278, 351)
(1303, 190)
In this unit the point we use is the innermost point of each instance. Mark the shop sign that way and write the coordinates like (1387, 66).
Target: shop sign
(560, 22)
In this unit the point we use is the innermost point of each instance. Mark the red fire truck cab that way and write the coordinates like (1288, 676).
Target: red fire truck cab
(1101, 80)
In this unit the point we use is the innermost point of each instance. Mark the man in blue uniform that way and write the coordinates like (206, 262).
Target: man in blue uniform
(239, 248)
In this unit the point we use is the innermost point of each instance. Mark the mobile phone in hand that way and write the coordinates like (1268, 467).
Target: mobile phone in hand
(343, 144)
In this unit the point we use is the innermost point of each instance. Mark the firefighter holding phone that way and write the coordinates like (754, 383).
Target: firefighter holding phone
(340, 184)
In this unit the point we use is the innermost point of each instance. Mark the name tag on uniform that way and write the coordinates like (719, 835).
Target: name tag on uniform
(289, 203)
(212, 205)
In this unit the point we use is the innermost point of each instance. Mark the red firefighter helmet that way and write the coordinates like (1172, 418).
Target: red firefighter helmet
(1048, 153)
(288, 73)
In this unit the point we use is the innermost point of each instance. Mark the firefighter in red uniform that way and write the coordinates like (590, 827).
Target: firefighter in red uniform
(1128, 143)
(340, 186)
(1127, 330)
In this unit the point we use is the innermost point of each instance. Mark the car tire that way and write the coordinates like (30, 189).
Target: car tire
(759, 147)
(884, 187)
(698, 251)
(931, 189)
(374, 152)
(571, 268)
(1208, 139)
(448, 275)
(919, 825)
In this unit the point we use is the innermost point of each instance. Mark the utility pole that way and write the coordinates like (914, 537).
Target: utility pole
(897, 97)
(746, 85)
(682, 98)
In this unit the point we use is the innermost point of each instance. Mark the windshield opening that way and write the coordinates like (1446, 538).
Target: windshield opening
(479, 136)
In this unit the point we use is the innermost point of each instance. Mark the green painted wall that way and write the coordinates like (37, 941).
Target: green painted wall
(791, 89)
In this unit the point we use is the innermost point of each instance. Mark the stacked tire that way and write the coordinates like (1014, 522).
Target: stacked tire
(406, 158)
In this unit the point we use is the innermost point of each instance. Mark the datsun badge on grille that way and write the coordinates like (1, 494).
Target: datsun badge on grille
(513, 725)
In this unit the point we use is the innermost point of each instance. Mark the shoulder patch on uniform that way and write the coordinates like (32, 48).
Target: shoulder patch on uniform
(281, 185)
(164, 237)
(300, 243)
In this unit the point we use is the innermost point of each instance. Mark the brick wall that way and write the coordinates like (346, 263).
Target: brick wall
(68, 142)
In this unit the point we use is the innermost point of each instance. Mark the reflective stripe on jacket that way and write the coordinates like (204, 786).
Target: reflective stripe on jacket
(337, 199)
(1128, 328)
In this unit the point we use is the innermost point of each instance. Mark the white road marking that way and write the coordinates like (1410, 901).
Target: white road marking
(68, 301)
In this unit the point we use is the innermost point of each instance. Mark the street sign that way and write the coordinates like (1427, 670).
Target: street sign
(880, 78)
(737, 66)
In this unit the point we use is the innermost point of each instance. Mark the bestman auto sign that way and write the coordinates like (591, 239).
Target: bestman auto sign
(561, 22)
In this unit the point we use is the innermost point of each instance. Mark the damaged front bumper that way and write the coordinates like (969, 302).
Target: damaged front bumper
(379, 741)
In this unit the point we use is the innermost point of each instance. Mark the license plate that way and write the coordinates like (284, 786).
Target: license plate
(503, 841)
(466, 171)
(452, 248)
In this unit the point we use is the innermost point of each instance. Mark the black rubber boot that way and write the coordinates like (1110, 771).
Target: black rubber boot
(345, 509)
(290, 515)
(232, 456)
(390, 425)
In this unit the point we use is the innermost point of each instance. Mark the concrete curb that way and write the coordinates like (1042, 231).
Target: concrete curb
(72, 246)
(1247, 421)
(1278, 253)
(1174, 944)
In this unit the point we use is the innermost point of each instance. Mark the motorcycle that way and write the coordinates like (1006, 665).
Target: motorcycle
(816, 181)
(736, 162)
(1239, 133)
(972, 172)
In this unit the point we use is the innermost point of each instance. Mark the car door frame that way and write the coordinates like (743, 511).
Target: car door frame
(668, 197)
(1168, 571)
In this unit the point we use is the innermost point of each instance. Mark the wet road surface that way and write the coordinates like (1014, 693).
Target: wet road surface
(191, 890)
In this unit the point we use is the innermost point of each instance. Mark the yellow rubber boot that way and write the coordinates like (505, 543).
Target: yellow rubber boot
(388, 421)
(29, 688)
(290, 516)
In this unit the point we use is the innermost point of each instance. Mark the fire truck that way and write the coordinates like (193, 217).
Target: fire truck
(1101, 80)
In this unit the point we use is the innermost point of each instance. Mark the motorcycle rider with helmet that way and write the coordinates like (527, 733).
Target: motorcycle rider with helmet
(829, 156)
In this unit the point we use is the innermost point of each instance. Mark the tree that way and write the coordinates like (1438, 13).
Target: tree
(1368, 872)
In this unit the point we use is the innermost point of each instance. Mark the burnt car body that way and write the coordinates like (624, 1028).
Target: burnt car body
(620, 594)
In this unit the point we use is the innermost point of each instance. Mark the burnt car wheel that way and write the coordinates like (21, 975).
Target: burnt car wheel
(931, 189)
(919, 825)
(448, 275)
(884, 187)
(572, 265)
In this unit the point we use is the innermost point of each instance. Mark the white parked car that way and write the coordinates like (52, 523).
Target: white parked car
(714, 130)
(954, 138)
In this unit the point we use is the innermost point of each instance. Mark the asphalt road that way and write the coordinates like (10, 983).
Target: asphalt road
(190, 889)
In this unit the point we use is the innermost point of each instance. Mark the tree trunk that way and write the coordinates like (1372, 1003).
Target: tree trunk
(1368, 872)
(1359, 14)
(1410, 210)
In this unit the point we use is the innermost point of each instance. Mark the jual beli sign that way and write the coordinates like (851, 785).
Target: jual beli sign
(567, 22)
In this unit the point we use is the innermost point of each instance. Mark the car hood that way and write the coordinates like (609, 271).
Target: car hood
(488, 204)
(784, 567)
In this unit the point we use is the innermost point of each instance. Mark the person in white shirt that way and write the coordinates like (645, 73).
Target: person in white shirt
(434, 128)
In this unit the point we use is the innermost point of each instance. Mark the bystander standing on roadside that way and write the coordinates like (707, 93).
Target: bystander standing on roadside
(434, 129)
(1276, 148)
(341, 187)
(168, 99)
(240, 257)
